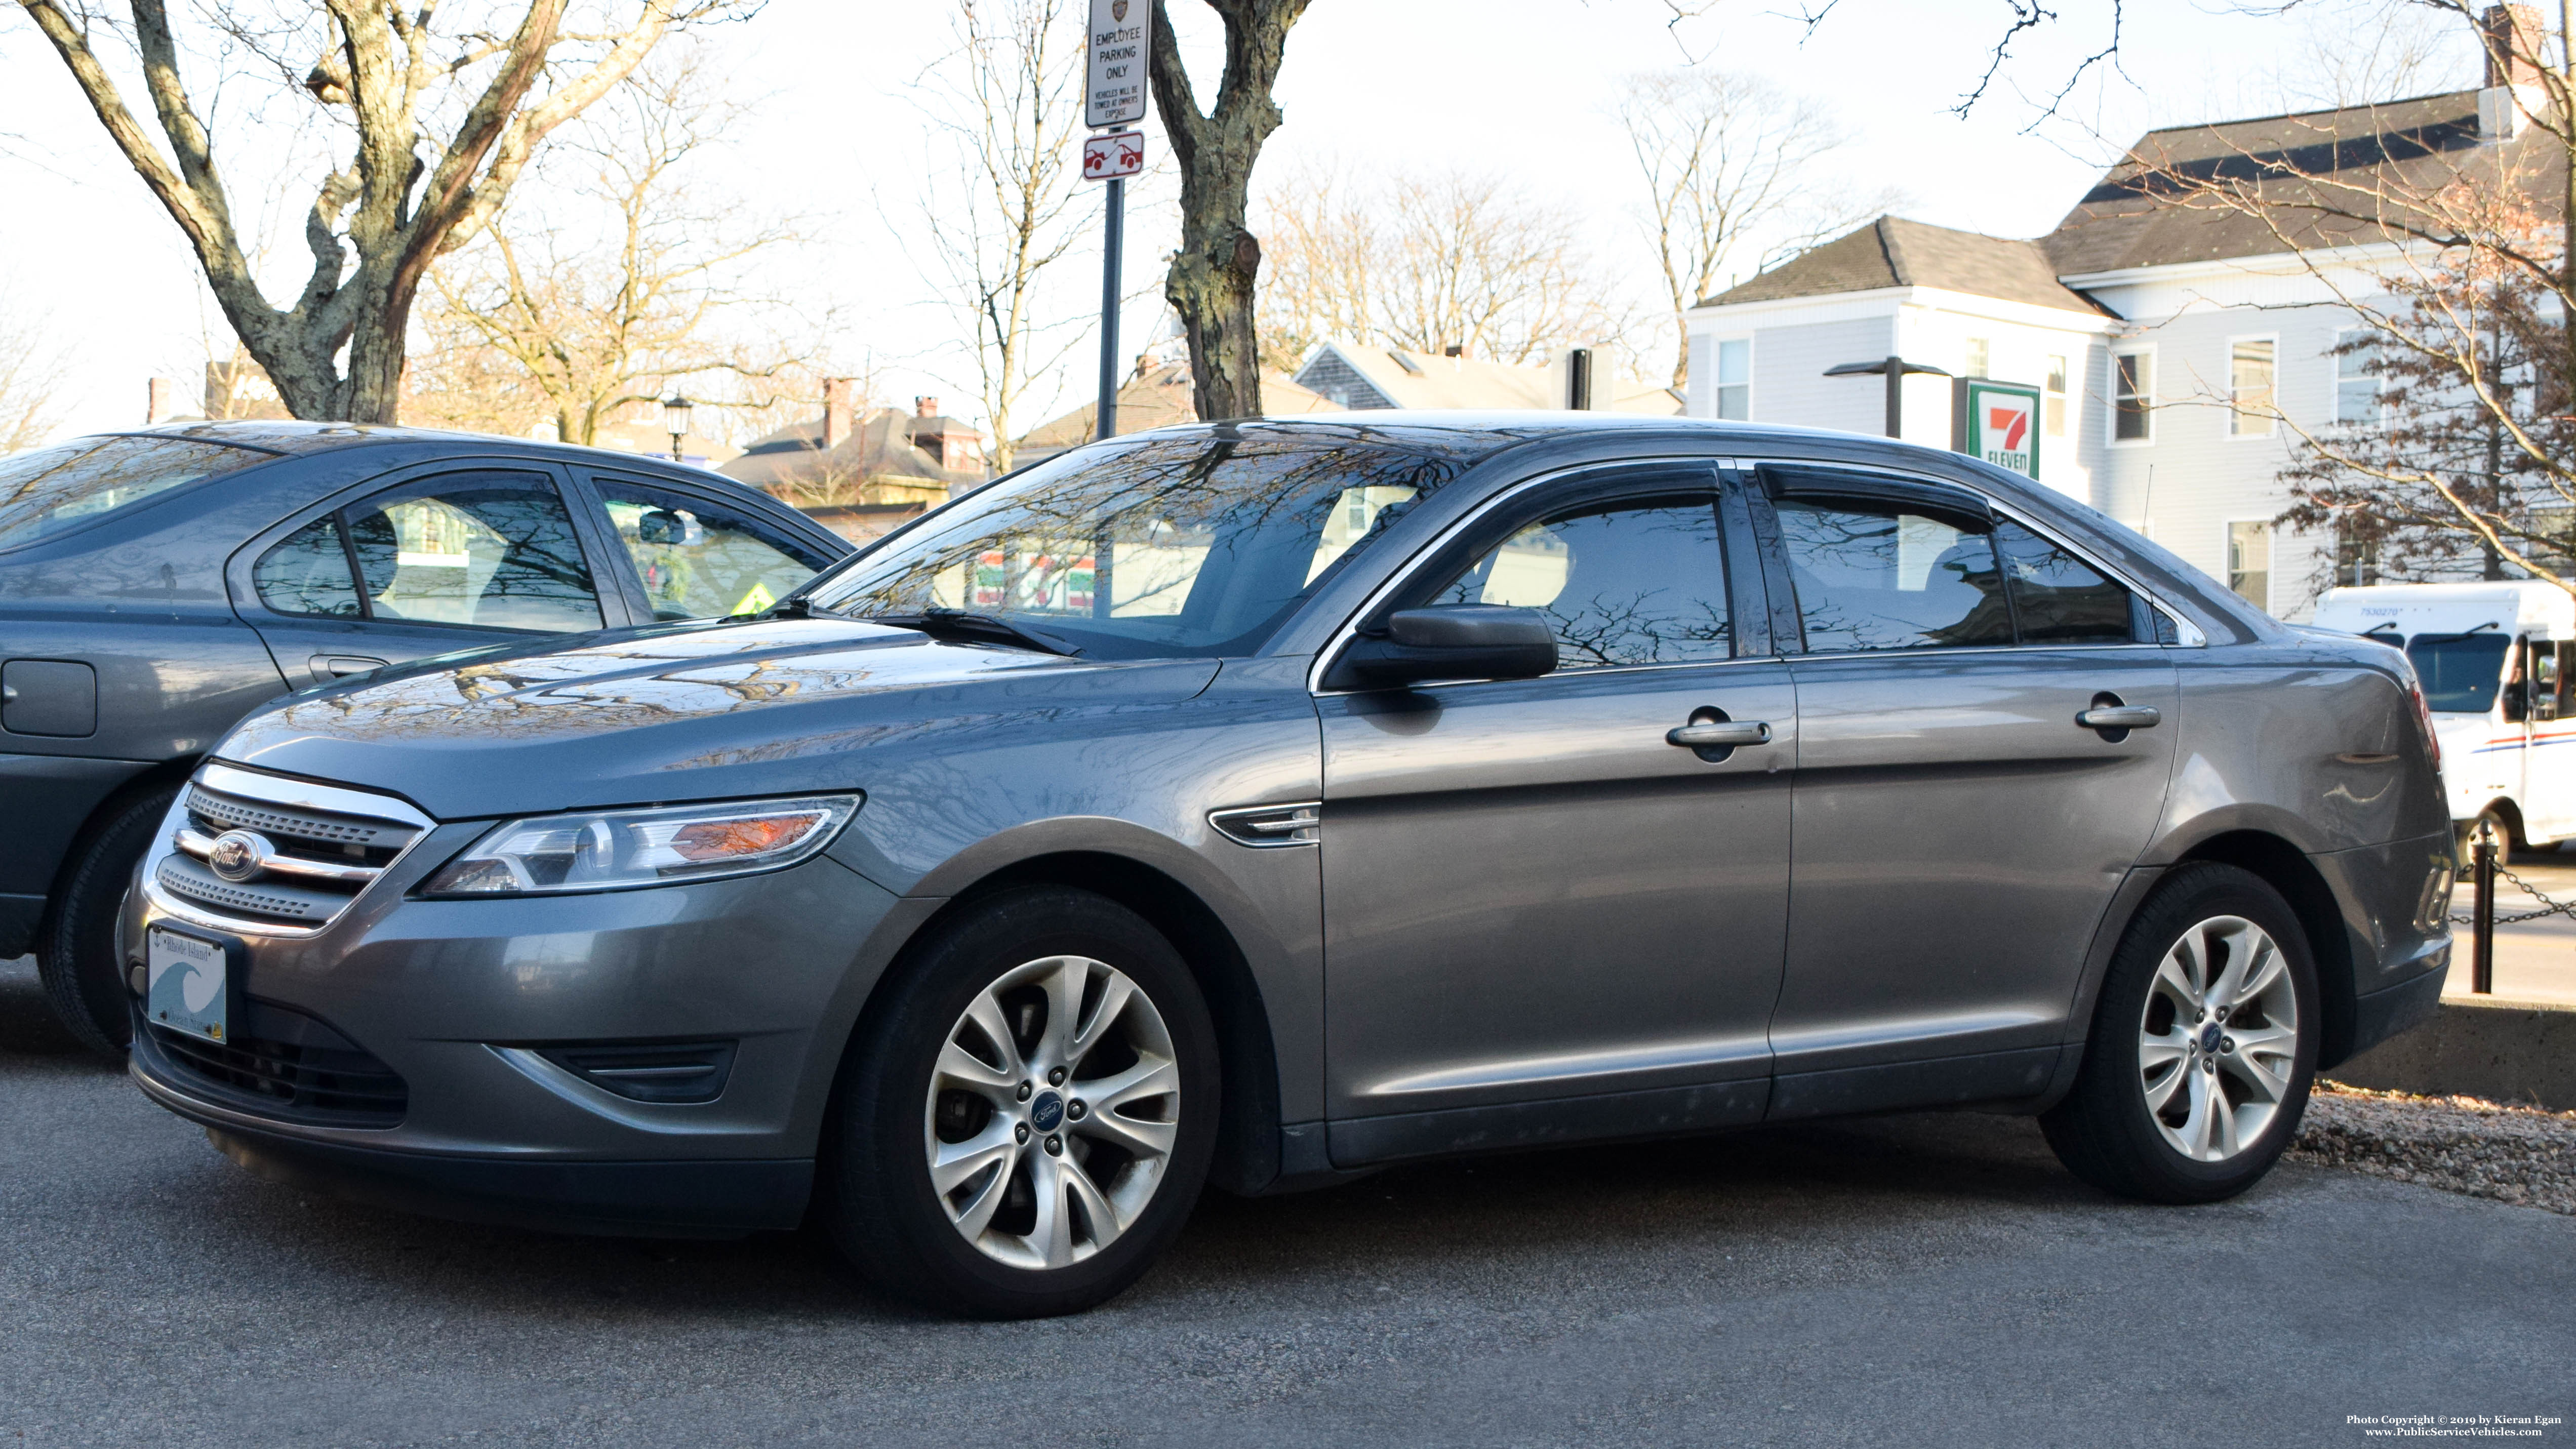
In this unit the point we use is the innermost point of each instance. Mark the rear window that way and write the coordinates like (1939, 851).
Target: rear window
(52, 489)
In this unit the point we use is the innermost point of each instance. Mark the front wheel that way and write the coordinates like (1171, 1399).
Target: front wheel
(2202, 1047)
(1028, 1112)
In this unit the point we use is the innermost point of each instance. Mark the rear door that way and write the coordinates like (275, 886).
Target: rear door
(437, 561)
(1958, 832)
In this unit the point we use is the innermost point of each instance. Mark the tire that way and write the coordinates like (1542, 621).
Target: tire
(76, 954)
(926, 1074)
(2135, 1123)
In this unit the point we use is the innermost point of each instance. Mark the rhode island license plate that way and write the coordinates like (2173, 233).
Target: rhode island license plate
(184, 984)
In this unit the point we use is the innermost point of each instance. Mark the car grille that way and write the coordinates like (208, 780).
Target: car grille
(298, 853)
(289, 1065)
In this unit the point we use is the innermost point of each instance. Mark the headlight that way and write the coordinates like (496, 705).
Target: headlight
(618, 849)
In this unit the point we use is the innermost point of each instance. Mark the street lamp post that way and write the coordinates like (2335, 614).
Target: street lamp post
(676, 411)
(1895, 370)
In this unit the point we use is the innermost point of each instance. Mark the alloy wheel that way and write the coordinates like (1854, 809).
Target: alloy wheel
(1052, 1112)
(2218, 1040)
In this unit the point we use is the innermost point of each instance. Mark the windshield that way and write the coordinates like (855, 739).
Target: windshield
(2460, 672)
(52, 489)
(1192, 546)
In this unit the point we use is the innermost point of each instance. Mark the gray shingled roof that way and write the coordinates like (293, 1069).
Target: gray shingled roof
(2303, 168)
(1895, 252)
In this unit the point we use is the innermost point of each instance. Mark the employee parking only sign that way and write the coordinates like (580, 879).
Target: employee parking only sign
(1996, 421)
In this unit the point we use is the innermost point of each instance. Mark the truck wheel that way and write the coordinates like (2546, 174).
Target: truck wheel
(76, 954)
(2202, 1047)
(1027, 1112)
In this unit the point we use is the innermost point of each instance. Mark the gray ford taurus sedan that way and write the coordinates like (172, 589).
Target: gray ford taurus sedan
(1262, 803)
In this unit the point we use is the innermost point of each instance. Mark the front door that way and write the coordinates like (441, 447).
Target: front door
(1544, 919)
(436, 564)
(1959, 829)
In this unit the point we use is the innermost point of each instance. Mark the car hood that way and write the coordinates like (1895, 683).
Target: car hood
(763, 707)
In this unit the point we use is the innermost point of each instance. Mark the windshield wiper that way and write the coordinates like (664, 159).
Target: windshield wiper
(963, 623)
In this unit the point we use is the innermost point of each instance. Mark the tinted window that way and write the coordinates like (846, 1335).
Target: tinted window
(1872, 577)
(309, 574)
(1199, 545)
(2459, 672)
(1624, 584)
(700, 560)
(489, 550)
(52, 489)
(2057, 597)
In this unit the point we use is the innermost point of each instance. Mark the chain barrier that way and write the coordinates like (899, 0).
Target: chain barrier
(2551, 908)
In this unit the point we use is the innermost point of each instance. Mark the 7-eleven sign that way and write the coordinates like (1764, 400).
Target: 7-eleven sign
(1996, 421)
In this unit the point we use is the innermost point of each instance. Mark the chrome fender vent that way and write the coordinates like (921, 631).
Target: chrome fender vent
(1265, 827)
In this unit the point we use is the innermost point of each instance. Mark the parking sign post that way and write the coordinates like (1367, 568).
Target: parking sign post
(1114, 97)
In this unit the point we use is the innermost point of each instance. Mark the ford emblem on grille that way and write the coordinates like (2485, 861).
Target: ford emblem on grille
(239, 855)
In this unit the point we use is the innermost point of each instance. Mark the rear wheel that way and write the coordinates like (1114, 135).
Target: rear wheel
(76, 955)
(1028, 1113)
(2202, 1047)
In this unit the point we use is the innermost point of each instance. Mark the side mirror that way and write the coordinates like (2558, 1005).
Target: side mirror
(1460, 641)
(2517, 697)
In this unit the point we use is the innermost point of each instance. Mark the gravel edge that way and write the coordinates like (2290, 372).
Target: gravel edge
(2520, 1155)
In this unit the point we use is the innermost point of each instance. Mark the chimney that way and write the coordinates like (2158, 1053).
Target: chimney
(837, 417)
(1145, 363)
(1454, 349)
(2511, 35)
(161, 401)
(925, 407)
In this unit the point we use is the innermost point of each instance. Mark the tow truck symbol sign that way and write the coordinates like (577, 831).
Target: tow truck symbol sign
(1120, 153)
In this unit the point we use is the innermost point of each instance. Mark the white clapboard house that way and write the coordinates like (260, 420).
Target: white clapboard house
(2161, 333)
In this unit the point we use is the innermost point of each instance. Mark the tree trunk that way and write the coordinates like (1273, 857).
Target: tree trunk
(1210, 284)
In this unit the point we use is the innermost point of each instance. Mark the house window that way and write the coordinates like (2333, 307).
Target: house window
(2249, 387)
(1979, 359)
(2249, 562)
(2357, 381)
(2356, 558)
(1735, 379)
(2133, 396)
(2053, 398)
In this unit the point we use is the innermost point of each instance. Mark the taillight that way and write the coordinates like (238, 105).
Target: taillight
(2424, 722)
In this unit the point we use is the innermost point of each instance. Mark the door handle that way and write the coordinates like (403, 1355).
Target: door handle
(2120, 717)
(1719, 735)
(327, 667)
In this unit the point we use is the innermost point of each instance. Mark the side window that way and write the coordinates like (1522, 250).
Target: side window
(308, 573)
(1880, 577)
(485, 550)
(700, 560)
(2059, 598)
(1625, 583)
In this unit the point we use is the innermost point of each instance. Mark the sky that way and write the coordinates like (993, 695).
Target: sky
(833, 132)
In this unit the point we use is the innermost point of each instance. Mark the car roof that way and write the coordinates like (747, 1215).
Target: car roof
(295, 438)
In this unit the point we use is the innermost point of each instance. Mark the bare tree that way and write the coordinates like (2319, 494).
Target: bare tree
(1210, 284)
(596, 326)
(1730, 166)
(439, 114)
(1430, 263)
(1007, 102)
(35, 370)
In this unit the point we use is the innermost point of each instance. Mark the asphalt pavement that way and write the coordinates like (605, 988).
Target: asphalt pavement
(1923, 1280)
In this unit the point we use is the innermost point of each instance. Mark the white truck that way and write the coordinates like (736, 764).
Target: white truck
(2495, 660)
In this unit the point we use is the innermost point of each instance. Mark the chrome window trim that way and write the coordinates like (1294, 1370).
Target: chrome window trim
(1405, 571)
(2186, 632)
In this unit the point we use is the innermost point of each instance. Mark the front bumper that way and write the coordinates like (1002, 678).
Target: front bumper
(467, 1004)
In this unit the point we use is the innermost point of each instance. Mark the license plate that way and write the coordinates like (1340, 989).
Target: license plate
(186, 986)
